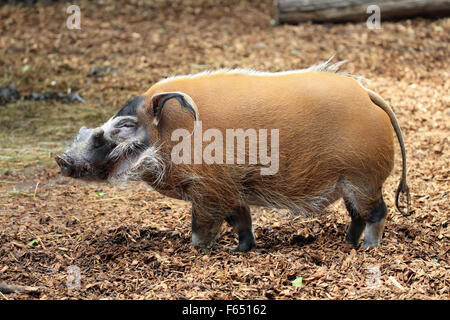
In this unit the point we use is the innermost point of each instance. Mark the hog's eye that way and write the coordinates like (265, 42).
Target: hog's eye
(126, 123)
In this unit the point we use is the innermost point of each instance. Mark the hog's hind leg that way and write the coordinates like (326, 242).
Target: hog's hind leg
(375, 224)
(241, 221)
(357, 224)
(368, 213)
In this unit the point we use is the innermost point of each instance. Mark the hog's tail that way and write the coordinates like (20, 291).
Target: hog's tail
(402, 187)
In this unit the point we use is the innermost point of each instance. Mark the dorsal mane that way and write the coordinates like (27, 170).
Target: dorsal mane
(325, 66)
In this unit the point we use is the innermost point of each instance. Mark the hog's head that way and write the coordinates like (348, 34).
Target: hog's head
(124, 146)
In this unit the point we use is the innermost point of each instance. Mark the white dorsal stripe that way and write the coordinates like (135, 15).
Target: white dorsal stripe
(326, 66)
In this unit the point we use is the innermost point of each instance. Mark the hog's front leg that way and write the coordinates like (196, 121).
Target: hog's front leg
(241, 221)
(205, 227)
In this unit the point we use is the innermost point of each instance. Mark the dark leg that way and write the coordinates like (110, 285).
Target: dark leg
(375, 224)
(241, 221)
(357, 224)
(205, 228)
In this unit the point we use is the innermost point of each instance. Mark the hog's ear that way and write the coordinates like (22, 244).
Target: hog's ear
(158, 100)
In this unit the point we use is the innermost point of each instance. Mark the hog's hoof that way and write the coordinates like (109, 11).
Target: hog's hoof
(198, 242)
(245, 244)
(355, 231)
(244, 247)
(370, 244)
(350, 239)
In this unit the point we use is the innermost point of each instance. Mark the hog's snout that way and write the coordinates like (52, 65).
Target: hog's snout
(66, 165)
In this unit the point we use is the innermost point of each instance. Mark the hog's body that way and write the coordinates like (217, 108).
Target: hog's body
(328, 126)
(335, 140)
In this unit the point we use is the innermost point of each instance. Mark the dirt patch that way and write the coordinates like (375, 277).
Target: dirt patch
(129, 242)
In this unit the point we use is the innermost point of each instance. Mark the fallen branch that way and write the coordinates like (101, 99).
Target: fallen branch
(11, 288)
(295, 11)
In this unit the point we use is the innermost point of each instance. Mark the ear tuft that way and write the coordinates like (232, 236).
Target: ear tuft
(158, 100)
